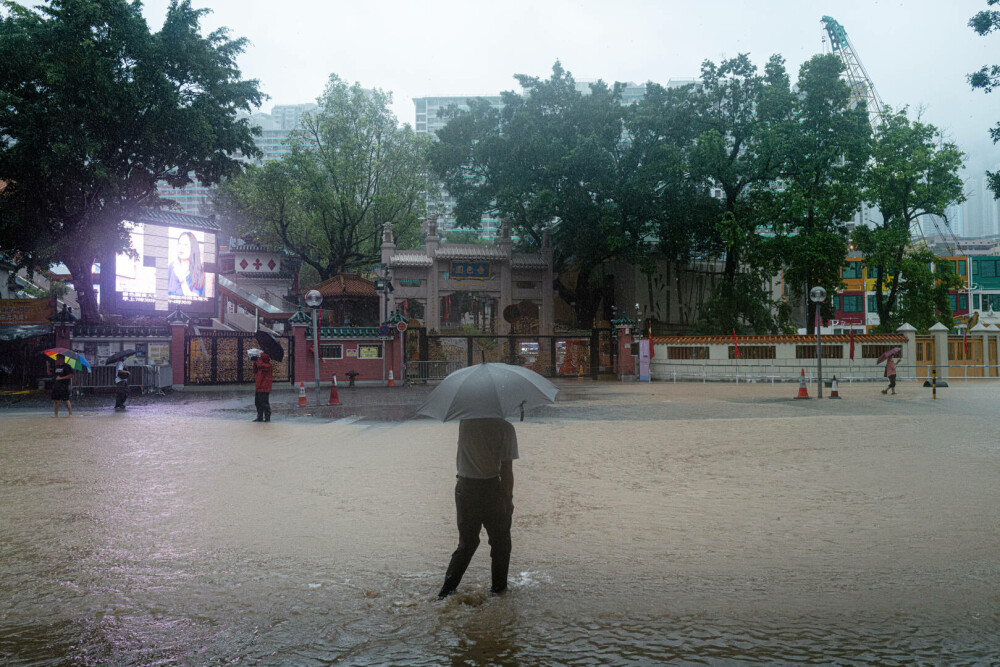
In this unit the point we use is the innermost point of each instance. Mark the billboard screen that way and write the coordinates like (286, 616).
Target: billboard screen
(172, 267)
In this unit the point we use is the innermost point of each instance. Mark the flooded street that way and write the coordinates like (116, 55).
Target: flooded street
(694, 523)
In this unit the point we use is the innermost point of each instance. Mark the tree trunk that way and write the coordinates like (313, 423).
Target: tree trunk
(81, 268)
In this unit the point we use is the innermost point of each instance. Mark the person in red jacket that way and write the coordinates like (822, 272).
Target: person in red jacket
(262, 399)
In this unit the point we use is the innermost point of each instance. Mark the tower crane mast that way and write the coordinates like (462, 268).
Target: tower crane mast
(862, 89)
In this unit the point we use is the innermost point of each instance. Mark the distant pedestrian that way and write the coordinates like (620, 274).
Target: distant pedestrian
(890, 372)
(62, 380)
(484, 497)
(121, 385)
(262, 384)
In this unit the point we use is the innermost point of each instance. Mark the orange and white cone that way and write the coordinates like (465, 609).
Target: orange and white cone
(833, 388)
(391, 383)
(302, 394)
(803, 392)
(334, 398)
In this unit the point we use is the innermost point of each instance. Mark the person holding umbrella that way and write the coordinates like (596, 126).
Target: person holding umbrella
(483, 397)
(122, 375)
(889, 356)
(61, 380)
(263, 373)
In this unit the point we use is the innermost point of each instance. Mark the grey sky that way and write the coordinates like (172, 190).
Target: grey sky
(916, 51)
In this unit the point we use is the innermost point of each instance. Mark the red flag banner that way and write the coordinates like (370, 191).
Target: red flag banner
(965, 341)
(651, 352)
(852, 343)
(736, 345)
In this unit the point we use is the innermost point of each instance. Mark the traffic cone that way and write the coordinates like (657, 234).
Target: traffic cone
(334, 398)
(391, 383)
(833, 388)
(803, 392)
(302, 394)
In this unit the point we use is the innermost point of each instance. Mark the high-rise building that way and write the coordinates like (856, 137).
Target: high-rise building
(275, 127)
(428, 121)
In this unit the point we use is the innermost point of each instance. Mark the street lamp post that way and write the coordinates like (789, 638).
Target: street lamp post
(313, 300)
(818, 295)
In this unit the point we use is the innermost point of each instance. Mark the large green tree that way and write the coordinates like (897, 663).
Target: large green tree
(94, 110)
(913, 173)
(740, 150)
(987, 77)
(351, 168)
(552, 158)
(826, 142)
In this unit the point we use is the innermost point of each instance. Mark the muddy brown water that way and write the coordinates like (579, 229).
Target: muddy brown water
(689, 524)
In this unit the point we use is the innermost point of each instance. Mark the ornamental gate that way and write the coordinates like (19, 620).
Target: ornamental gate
(220, 357)
(433, 356)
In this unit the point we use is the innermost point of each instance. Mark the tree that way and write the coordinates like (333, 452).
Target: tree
(740, 151)
(923, 294)
(913, 173)
(827, 143)
(988, 76)
(94, 110)
(552, 158)
(351, 169)
(458, 236)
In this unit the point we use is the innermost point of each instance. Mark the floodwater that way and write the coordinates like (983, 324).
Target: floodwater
(683, 523)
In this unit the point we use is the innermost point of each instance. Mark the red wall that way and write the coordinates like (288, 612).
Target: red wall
(369, 370)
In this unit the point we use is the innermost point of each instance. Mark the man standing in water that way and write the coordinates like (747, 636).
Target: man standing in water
(484, 496)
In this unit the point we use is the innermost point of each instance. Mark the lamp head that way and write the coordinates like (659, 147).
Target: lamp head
(313, 298)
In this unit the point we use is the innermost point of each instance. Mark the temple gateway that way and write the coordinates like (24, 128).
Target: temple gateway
(489, 287)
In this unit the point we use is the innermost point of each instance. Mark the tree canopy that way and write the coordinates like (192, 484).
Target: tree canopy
(987, 77)
(95, 109)
(350, 169)
(913, 173)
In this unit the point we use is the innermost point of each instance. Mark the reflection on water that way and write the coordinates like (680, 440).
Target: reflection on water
(216, 544)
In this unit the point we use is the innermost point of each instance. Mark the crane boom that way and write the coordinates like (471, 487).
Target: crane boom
(858, 80)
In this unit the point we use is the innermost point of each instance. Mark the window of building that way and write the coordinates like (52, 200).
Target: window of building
(331, 351)
(875, 351)
(852, 270)
(809, 351)
(986, 268)
(872, 306)
(753, 352)
(958, 301)
(975, 302)
(851, 303)
(960, 266)
(687, 352)
(369, 351)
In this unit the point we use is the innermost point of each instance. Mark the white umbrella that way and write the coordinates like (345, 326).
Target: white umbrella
(488, 390)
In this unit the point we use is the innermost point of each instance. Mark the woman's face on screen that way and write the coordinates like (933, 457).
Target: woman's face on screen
(184, 247)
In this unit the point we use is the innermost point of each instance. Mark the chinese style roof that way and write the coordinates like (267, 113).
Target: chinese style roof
(345, 285)
(527, 260)
(471, 251)
(299, 317)
(345, 332)
(411, 258)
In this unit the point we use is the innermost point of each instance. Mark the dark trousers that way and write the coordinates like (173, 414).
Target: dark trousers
(479, 503)
(262, 399)
(121, 394)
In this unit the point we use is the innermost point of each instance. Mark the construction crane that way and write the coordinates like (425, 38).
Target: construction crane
(862, 89)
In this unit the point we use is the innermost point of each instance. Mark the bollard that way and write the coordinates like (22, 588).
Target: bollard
(934, 383)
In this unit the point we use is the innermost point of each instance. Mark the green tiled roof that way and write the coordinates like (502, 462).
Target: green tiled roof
(345, 332)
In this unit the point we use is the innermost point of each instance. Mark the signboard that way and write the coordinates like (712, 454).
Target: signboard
(172, 267)
(400, 327)
(470, 270)
(369, 351)
(352, 352)
(16, 312)
(383, 331)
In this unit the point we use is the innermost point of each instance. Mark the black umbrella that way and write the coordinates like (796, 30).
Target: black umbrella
(118, 356)
(270, 345)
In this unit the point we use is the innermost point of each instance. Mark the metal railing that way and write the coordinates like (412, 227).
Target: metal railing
(419, 371)
(149, 378)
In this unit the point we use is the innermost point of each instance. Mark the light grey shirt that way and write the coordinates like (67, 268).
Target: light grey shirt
(483, 444)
